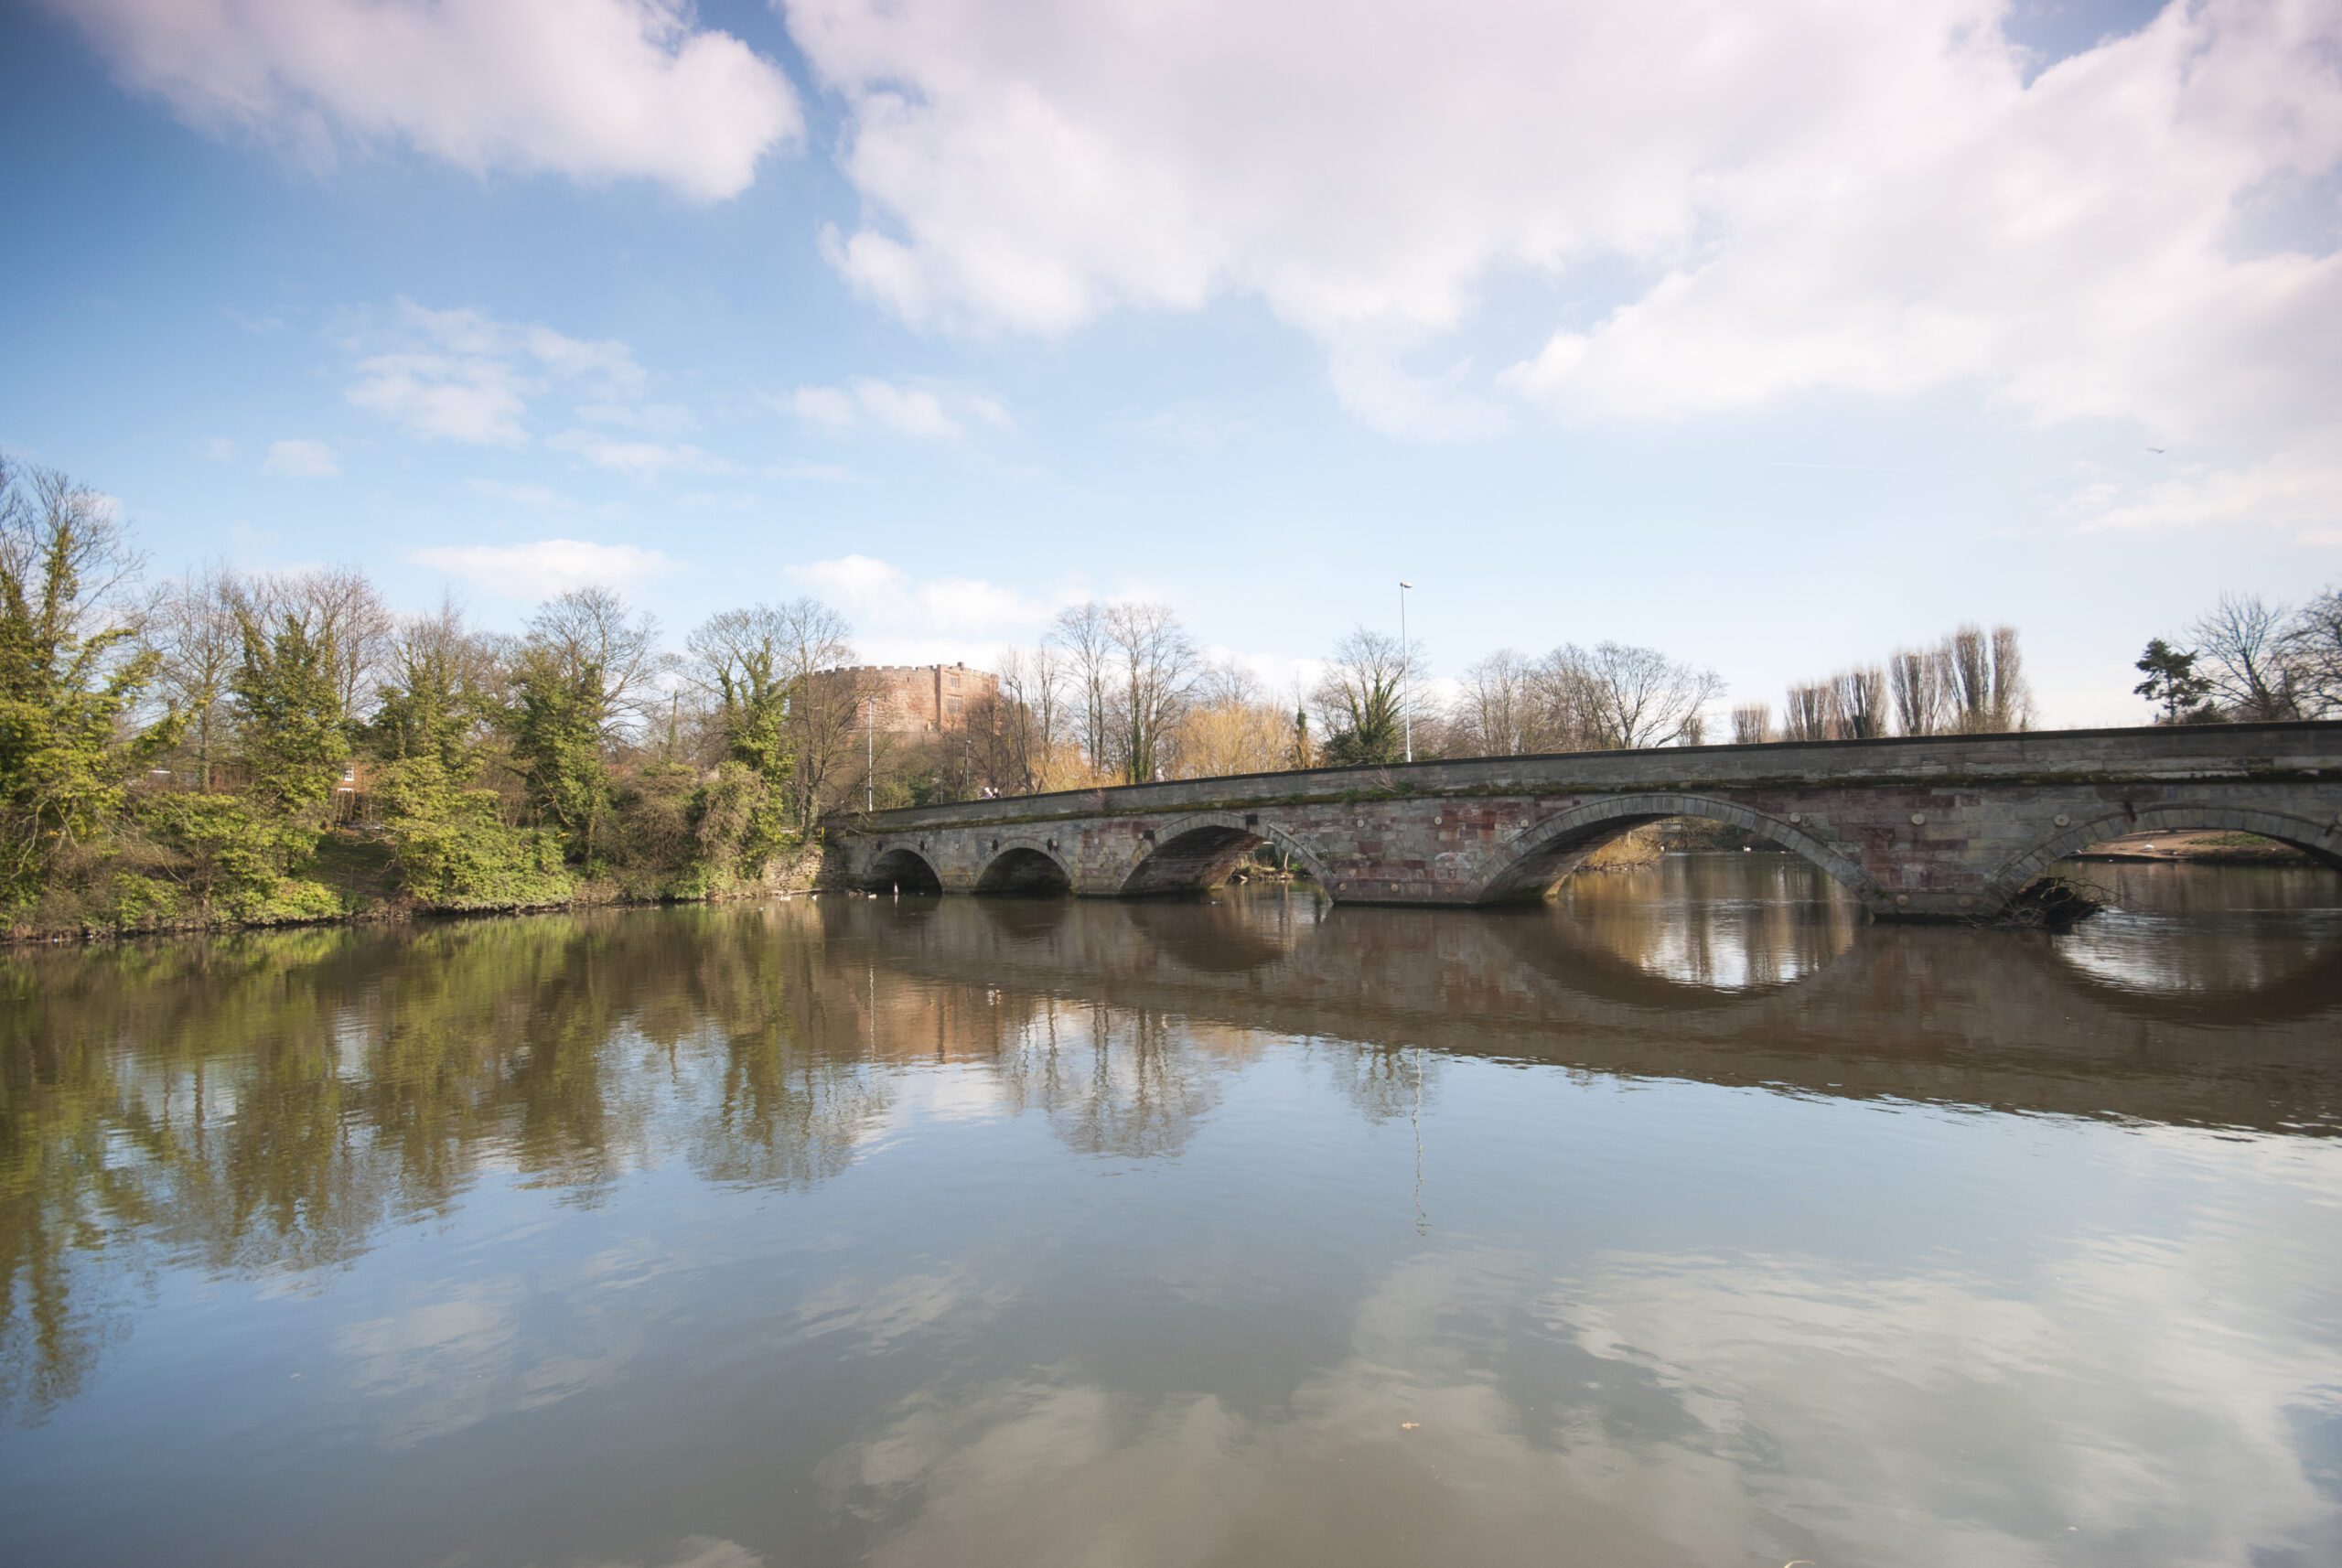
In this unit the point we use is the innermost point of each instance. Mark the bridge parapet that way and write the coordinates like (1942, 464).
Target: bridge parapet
(1928, 828)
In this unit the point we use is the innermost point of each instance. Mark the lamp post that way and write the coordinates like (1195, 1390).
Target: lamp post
(1406, 660)
(870, 755)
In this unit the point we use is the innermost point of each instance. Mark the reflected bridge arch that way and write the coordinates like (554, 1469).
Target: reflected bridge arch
(1543, 855)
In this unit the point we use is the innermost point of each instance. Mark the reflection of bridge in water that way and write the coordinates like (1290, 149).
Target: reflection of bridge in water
(2010, 1021)
(1917, 828)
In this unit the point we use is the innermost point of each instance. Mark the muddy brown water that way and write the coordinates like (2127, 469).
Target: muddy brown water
(1687, 1220)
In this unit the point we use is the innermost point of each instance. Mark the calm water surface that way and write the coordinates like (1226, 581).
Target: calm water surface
(1687, 1220)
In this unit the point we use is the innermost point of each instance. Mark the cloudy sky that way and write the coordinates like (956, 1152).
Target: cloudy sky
(1773, 334)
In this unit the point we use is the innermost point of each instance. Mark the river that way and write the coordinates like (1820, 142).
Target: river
(1687, 1219)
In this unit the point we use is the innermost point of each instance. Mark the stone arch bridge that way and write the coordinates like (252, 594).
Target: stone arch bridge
(1938, 827)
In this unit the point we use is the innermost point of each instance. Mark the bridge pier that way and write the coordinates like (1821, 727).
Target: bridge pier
(1934, 828)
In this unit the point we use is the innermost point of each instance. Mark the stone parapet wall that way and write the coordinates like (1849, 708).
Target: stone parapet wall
(1934, 827)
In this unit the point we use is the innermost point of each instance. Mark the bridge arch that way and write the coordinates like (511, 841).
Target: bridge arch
(1023, 866)
(1541, 856)
(2320, 840)
(1205, 849)
(904, 867)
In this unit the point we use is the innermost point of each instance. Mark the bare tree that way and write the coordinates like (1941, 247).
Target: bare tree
(825, 714)
(1494, 713)
(1982, 681)
(1564, 705)
(1810, 711)
(594, 627)
(2310, 648)
(2240, 649)
(1081, 632)
(1968, 678)
(353, 618)
(81, 530)
(191, 623)
(1154, 665)
(1860, 696)
(1916, 679)
(2012, 696)
(1360, 700)
(1639, 697)
(1022, 731)
(1752, 723)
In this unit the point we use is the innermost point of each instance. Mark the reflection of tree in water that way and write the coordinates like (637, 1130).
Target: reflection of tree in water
(793, 1092)
(271, 1102)
(1111, 1080)
(1385, 1082)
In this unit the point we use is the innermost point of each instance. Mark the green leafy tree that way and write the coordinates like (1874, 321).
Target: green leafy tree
(453, 848)
(2171, 684)
(294, 743)
(557, 723)
(438, 704)
(752, 662)
(69, 677)
(229, 856)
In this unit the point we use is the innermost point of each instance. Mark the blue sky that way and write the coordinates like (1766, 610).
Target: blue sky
(1773, 335)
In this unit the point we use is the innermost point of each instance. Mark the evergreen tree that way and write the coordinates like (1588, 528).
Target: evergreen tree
(67, 679)
(557, 746)
(295, 745)
(435, 709)
(2171, 683)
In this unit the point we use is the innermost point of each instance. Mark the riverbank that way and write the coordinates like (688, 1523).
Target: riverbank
(358, 873)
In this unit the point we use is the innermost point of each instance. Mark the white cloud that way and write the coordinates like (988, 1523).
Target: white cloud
(643, 459)
(301, 459)
(935, 612)
(1383, 397)
(1193, 424)
(462, 375)
(923, 412)
(590, 89)
(2294, 491)
(548, 566)
(538, 496)
(907, 410)
(2068, 246)
(218, 449)
(1815, 196)
(823, 406)
(820, 473)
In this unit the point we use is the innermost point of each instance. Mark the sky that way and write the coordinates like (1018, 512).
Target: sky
(1773, 335)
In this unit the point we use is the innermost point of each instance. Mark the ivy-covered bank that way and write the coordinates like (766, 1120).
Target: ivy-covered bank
(233, 750)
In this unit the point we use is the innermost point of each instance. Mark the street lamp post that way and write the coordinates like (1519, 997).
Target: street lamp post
(1406, 661)
(870, 755)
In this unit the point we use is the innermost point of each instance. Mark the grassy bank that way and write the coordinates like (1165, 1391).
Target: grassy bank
(355, 877)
